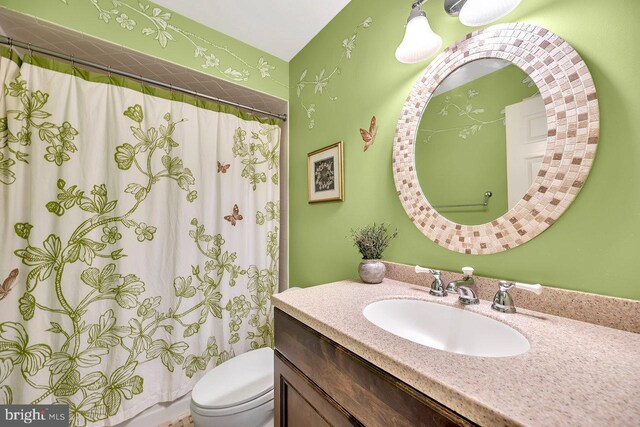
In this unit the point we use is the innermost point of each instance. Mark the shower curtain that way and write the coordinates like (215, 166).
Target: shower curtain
(139, 239)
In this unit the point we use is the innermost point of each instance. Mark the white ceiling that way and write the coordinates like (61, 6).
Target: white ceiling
(279, 27)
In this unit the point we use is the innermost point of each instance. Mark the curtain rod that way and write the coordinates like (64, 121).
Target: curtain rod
(8, 41)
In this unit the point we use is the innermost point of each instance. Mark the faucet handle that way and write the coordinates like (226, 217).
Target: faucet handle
(536, 289)
(505, 286)
(437, 288)
(503, 302)
(419, 270)
(467, 271)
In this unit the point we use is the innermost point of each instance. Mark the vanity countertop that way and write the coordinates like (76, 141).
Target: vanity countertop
(575, 373)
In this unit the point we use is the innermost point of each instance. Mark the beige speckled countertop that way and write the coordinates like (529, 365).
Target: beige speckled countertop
(575, 373)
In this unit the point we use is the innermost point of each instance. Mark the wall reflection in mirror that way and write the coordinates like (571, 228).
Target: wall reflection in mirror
(483, 130)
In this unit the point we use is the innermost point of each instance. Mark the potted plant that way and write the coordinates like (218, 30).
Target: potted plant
(371, 241)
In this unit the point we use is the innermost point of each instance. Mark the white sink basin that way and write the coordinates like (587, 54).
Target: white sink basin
(446, 328)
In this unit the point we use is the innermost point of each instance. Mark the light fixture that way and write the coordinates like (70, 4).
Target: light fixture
(419, 42)
(452, 7)
(475, 13)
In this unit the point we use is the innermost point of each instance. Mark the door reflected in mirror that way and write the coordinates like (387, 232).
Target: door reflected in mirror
(483, 130)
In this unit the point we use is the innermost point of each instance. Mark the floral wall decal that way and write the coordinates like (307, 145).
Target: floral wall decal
(322, 79)
(466, 113)
(468, 110)
(144, 26)
(156, 23)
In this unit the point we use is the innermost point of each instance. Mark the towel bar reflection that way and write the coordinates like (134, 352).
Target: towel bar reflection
(487, 196)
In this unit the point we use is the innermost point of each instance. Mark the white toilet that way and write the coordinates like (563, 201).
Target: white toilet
(237, 393)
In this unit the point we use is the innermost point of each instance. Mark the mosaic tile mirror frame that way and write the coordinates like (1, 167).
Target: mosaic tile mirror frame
(571, 106)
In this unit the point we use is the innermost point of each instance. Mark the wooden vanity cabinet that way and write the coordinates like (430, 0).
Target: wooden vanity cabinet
(320, 383)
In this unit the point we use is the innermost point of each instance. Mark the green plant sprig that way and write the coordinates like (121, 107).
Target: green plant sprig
(372, 240)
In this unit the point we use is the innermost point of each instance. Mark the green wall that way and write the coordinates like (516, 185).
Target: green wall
(461, 150)
(159, 32)
(593, 246)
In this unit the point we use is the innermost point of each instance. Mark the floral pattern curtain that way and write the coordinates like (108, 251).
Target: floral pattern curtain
(139, 239)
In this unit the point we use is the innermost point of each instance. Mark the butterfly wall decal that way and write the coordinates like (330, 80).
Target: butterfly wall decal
(222, 168)
(235, 216)
(8, 284)
(369, 136)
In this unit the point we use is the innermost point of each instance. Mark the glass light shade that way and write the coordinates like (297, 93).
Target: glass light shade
(476, 13)
(419, 42)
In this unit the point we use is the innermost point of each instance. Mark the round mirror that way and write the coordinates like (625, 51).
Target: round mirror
(481, 141)
(452, 143)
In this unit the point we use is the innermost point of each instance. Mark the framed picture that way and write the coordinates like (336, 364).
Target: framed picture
(325, 174)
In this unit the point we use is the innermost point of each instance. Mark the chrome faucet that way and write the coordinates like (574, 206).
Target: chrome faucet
(466, 295)
(503, 302)
(465, 287)
(467, 280)
(437, 287)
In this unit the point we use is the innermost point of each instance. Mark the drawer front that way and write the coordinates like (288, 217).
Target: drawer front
(370, 395)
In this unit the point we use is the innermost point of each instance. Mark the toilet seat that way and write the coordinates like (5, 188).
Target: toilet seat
(265, 399)
(238, 385)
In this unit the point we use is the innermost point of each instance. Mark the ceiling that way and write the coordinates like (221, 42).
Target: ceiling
(279, 27)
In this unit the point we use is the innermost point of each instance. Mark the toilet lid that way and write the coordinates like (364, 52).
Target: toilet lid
(236, 381)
